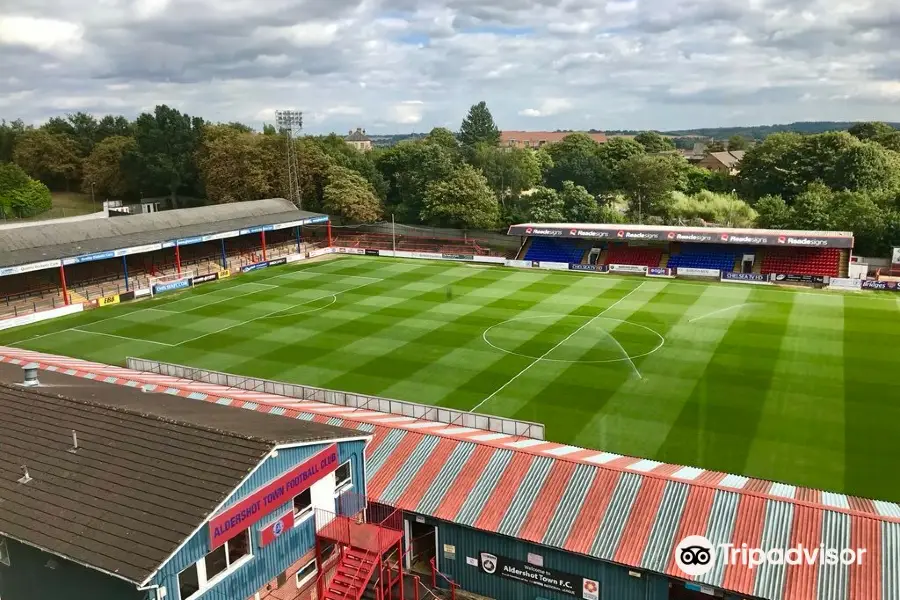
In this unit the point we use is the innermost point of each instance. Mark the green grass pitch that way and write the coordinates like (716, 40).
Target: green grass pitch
(799, 387)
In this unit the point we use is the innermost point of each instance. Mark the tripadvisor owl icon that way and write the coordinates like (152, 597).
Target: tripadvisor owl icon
(695, 555)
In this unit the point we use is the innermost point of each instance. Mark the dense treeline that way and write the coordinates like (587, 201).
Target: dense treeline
(838, 180)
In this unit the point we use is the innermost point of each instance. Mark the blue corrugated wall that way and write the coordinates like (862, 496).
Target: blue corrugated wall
(267, 563)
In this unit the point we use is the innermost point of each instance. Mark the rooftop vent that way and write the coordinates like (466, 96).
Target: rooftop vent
(30, 378)
(26, 477)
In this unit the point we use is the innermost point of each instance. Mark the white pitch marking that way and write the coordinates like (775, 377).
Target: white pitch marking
(265, 285)
(547, 353)
(721, 310)
(121, 337)
(271, 314)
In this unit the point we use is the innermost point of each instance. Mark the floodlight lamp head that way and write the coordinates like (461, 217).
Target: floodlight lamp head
(288, 120)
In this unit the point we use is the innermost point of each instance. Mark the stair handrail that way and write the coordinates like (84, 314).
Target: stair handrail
(434, 579)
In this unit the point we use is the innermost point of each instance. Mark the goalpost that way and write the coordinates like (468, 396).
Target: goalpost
(171, 283)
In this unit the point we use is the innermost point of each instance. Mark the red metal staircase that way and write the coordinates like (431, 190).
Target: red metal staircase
(352, 575)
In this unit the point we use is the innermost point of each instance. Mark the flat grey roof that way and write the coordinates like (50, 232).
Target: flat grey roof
(48, 241)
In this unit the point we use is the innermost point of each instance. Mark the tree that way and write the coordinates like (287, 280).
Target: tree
(48, 157)
(103, 168)
(111, 125)
(20, 195)
(772, 168)
(543, 205)
(715, 146)
(648, 181)
(509, 172)
(812, 208)
(864, 166)
(611, 156)
(696, 179)
(774, 213)
(707, 207)
(478, 127)
(443, 137)
(858, 212)
(890, 141)
(871, 130)
(235, 166)
(269, 129)
(349, 195)
(653, 141)
(579, 205)
(462, 200)
(166, 143)
(409, 168)
(738, 142)
(9, 132)
(576, 158)
(12, 177)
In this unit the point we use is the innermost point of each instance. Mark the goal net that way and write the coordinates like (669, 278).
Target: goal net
(171, 283)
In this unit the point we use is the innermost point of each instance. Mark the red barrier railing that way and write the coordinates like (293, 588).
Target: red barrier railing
(438, 577)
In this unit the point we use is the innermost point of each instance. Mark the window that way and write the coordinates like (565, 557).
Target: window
(343, 478)
(303, 505)
(210, 569)
(306, 573)
(188, 582)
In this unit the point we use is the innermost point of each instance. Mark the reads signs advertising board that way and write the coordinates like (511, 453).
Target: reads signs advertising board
(271, 496)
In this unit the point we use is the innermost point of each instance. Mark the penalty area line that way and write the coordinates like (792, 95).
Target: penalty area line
(564, 340)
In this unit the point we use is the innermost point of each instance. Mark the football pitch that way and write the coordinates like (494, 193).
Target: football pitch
(801, 387)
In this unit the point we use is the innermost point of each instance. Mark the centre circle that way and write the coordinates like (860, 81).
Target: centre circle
(573, 339)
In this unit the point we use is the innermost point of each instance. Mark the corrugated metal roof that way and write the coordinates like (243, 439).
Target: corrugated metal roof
(48, 241)
(595, 504)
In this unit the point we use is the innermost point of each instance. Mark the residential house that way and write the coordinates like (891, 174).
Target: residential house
(723, 162)
(359, 140)
(536, 139)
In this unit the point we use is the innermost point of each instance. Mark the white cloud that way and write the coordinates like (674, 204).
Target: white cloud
(661, 64)
(44, 35)
(548, 108)
(408, 112)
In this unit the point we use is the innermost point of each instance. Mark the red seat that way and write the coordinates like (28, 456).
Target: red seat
(802, 261)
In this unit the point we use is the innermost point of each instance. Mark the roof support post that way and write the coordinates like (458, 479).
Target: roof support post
(178, 258)
(125, 268)
(329, 233)
(62, 281)
(224, 256)
(262, 236)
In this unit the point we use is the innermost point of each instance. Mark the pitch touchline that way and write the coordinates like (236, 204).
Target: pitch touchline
(547, 353)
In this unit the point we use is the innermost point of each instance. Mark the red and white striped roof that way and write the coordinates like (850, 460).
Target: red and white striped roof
(621, 509)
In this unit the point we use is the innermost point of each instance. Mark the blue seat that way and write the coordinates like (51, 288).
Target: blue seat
(706, 256)
(554, 250)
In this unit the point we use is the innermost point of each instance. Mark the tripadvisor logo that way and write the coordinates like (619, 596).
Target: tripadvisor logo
(695, 555)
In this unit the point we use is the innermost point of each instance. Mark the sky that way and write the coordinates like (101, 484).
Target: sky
(397, 66)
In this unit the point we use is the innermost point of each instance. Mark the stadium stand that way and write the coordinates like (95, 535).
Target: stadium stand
(802, 261)
(555, 250)
(647, 256)
(707, 256)
(39, 290)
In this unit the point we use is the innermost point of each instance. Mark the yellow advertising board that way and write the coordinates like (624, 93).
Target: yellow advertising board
(107, 300)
